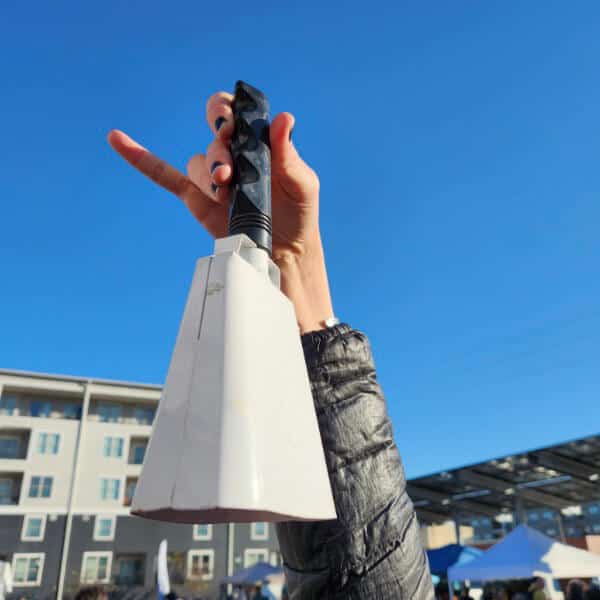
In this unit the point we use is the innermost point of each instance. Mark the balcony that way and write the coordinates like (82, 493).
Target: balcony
(130, 484)
(20, 404)
(10, 488)
(137, 450)
(14, 443)
(123, 413)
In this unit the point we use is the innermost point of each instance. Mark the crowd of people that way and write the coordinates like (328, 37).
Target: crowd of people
(533, 590)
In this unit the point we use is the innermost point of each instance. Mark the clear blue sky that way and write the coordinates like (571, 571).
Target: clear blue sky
(458, 145)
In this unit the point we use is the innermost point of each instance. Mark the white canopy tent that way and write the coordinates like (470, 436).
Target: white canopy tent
(526, 552)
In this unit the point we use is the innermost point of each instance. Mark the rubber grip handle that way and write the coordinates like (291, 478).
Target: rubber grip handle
(251, 153)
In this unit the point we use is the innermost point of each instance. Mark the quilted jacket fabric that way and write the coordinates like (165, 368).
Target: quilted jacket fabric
(373, 549)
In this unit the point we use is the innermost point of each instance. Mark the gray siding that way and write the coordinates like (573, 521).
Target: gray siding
(135, 536)
(51, 546)
(243, 540)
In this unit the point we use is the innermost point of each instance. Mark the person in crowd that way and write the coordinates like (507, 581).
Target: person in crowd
(501, 594)
(258, 593)
(592, 593)
(91, 593)
(575, 590)
(537, 589)
(464, 594)
(488, 592)
(373, 549)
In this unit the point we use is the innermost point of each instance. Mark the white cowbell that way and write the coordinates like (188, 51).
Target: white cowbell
(236, 436)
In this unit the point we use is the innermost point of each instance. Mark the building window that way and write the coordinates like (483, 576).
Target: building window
(10, 446)
(110, 488)
(255, 555)
(143, 415)
(113, 447)
(72, 411)
(259, 531)
(548, 514)
(137, 451)
(6, 491)
(48, 443)
(203, 532)
(109, 413)
(8, 406)
(95, 567)
(27, 569)
(104, 528)
(533, 516)
(201, 564)
(41, 408)
(593, 509)
(129, 570)
(596, 527)
(34, 527)
(130, 485)
(40, 487)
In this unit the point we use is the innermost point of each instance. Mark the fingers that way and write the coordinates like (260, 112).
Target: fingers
(283, 151)
(198, 169)
(219, 162)
(211, 214)
(219, 115)
(147, 163)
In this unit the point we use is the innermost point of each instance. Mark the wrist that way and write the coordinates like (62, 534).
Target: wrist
(304, 281)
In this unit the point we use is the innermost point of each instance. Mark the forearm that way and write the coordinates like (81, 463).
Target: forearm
(373, 548)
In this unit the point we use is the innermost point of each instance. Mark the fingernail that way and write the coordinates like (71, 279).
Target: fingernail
(214, 166)
(291, 131)
(214, 188)
(220, 122)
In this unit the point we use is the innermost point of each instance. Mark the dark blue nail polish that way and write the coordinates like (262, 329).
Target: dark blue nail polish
(214, 188)
(214, 166)
(220, 122)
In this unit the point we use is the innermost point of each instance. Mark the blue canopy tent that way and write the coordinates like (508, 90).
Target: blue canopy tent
(255, 574)
(441, 559)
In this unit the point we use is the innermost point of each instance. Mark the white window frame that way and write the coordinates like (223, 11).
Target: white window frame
(112, 439)
(98, 555)
(28, 556)
(25, 537)
(113, 527)
(47, 433)
(203, 552)
(258, 537)
(202, 538)
(120, 496)
(41, 487)
(263, 551)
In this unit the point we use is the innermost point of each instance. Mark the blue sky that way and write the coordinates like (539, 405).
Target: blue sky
(458, 146)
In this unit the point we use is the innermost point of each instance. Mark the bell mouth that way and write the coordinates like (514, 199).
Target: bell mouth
(219, 515)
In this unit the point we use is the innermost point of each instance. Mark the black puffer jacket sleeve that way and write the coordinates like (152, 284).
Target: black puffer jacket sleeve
(373, 549)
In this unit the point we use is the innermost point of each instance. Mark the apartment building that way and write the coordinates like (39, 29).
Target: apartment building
(71, 452)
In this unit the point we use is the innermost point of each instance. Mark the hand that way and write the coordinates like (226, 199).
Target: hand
(297, 247)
